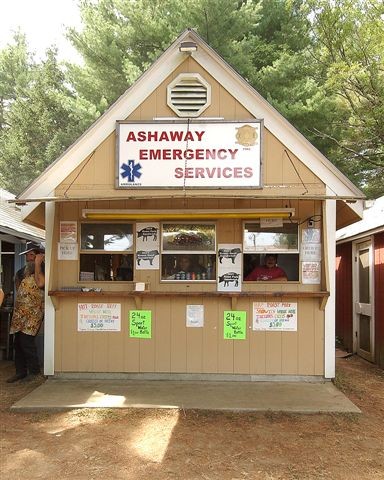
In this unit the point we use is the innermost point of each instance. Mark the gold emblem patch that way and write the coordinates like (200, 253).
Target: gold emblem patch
(246, 136)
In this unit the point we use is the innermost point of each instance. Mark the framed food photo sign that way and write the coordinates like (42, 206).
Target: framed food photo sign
(189, 237)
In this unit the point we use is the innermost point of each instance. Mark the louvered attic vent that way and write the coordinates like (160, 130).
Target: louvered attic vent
(189, 95)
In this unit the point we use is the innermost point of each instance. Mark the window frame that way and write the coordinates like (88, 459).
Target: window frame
(180, 252)
(277, 251)
(103, 252)
(296, 252)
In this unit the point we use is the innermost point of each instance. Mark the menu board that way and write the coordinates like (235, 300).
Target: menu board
(98, 317)
(275, 316)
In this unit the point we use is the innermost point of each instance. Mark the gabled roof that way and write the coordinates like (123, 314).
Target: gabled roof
(373, 221)
(338, 185)
(11, 222)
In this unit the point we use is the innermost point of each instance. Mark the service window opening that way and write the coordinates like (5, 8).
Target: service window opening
(188, 251)
(271, 253)
(106, 252)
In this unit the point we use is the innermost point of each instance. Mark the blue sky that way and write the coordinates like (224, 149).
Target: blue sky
(43, 21)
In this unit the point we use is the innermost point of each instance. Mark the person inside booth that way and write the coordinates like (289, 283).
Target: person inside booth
(269, 271)
(187, 268)
(124, 270)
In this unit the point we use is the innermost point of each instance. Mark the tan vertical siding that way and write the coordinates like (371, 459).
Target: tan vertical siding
(131, 345)
(210, 336)
(176, 348)
(178, 336)
(194, 339)
(162, 329)
(306, 333)
(319, 340)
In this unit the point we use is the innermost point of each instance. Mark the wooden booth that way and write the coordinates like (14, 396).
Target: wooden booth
(156, 217)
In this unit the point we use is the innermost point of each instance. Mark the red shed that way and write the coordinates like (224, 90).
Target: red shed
(360, 284)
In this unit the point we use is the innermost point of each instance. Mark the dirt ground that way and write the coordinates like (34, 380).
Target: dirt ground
(176, 444)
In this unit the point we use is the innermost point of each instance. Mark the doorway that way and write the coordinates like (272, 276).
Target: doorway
(363, 300)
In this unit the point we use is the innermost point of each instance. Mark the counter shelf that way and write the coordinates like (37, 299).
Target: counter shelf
(138, 296)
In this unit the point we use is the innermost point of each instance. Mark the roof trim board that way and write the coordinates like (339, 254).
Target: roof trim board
(337, 183)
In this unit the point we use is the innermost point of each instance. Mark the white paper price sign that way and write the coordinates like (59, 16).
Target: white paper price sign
(275, 316)
(195, 316)
(99, 317)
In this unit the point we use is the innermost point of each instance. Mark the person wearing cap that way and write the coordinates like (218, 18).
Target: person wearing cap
(27, 316)
(268, 271)
(32, 249)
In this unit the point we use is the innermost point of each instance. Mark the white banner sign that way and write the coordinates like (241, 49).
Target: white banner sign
(99, 317)
(203, 155)
(272, 316)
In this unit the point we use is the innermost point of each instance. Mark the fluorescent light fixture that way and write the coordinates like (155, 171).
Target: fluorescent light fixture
(188, 47)
(245, 214)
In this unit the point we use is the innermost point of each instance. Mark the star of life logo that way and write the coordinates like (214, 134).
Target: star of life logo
(131, 171)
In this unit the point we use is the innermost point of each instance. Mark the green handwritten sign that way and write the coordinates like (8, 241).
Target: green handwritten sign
(140, 323)
(235, 324)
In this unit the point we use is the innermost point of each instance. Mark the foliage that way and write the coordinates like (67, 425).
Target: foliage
(15, 65)
(41, 116)
(121, 39)
(349, 51)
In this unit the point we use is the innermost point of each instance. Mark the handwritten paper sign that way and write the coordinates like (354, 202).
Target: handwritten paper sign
(311, 252)
(68, 251)
(275, 316)
(98, 317)
(235, 324)
(271, 222)
(140, 324)
(68, 232)
(195, 315)
(310, 273)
